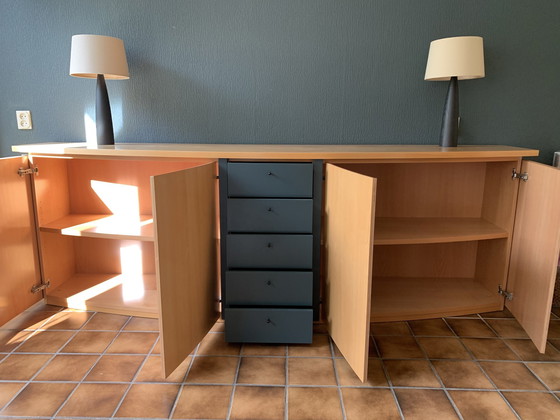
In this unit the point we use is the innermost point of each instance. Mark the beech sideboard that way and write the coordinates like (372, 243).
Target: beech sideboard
(406, 232)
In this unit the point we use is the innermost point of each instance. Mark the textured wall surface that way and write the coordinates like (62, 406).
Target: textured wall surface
(283, 71)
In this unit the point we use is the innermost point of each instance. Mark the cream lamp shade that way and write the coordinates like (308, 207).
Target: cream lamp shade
(91, 55)
(454, 59)
(99, 57)
(461, 57)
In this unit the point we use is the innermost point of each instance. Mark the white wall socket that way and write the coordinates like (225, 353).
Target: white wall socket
(24, 120)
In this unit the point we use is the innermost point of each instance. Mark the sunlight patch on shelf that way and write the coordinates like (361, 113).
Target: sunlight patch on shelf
(122, 200)
(131, 267)
(79, 300)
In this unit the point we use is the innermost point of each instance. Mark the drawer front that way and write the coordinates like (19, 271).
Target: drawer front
(270, 251)
(263, 325)
(281, 288)
(270, 215)
(258, 179)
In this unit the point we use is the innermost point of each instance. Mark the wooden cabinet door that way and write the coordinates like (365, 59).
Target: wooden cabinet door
(19, 262)
(184, 209)
(348, 230)
(535, 248)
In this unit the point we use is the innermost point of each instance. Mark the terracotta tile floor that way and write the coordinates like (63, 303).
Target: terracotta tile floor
(65, 364)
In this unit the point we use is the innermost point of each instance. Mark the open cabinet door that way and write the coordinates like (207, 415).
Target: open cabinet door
(184, 208)
(348, 229)
(19, 261)
(535, 248)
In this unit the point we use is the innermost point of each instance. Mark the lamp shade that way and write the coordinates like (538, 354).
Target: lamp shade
(97, 54)
(461, 57)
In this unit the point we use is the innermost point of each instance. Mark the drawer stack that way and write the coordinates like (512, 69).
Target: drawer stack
(270, 224)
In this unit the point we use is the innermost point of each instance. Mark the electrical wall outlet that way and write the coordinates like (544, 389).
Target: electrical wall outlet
(24, 120)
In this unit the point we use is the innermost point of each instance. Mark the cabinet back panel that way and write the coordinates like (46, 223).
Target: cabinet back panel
(51, 189)
(115, 179)
(427, 190)
(500, 194)
(492, 262)
(59, 261)
(432, 260)
(95, 255)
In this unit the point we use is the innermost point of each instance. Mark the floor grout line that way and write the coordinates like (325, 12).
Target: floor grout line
(92, 366)
(233, 388)
(119, 404)
(183, 384)
(477, 362)
(31, 379)
(287, 355)
(337, 380)
(286, 382)
(387, 376)
(436, 374)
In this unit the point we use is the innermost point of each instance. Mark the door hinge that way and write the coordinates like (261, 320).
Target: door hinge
(524, 176)
(31, 171)
(505, 293)
(40, 287)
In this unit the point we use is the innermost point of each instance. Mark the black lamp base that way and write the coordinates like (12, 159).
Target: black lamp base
(103, 120)
(450, 121)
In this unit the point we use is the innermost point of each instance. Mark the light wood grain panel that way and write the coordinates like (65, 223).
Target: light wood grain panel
(420, 190)
(110, 293)
(187, 270)
(94, 255)
(457, 259)
(19, 269)
(59, 258)
(102, 226)
(117, 178)
(51, 189)
(500, 194)
(348, 233)
(492, 263)
(402, 299)
(428, 230)
(279, 152)
(534, 254)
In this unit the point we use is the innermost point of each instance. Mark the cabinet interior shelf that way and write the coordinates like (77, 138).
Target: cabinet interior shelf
(140, 228)
(430, 230)
(402, 299)
(113, 293)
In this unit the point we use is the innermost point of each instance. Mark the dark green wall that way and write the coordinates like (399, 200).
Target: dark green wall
(283, 71)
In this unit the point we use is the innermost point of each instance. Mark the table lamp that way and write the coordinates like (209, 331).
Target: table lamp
(99, 57)
(453, 59)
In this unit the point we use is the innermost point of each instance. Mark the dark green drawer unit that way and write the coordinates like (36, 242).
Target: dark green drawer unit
(270, 224)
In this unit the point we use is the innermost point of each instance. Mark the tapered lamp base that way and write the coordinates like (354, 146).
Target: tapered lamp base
(450, 122)
(103, 120)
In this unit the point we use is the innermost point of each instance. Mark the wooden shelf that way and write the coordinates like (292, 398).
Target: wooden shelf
(431, 230)
(402, 299)
(103, 226)
(111, 293)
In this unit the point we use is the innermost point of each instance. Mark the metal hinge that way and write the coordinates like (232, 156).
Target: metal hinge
(523, 176)
(505, 293)
(42, 286)
(31, 171)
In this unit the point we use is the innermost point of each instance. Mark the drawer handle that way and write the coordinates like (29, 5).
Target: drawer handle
(270, 209)
(269, 321)
(269, 245)
(269, 173)
(268, 283)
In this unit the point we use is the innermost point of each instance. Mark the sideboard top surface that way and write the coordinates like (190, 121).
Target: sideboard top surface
(275, 152)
